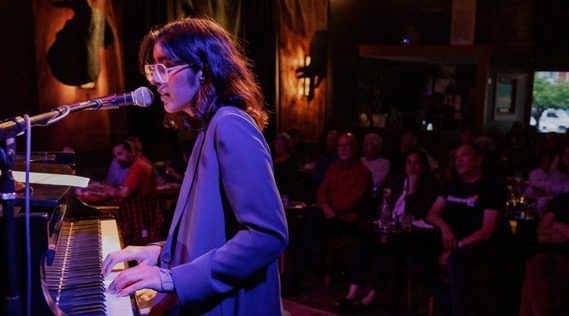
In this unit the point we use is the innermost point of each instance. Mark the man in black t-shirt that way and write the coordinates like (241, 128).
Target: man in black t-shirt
(547, 273)
(466, 203)
(468, 214)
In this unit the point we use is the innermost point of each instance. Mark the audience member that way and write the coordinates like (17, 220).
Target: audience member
(539, 182)
(492, 162)
(547, 273)
(469, 213)
(175, 168)
(286, 166)
(412, 193)
(342, 198)
(517, 150)
(117, 172)
(329, 156)
(550, 143)
(297, 144)
(378, 166)
(139, 223)
(407, 142)
(67, 149)
(467, 135)
(346, 185)
(559, 181)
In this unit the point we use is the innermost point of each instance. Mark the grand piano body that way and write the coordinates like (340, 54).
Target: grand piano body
(69, 240)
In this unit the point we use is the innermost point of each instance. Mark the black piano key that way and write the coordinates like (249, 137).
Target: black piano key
(74, 279)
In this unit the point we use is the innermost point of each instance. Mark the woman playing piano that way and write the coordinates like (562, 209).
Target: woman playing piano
(229, 226)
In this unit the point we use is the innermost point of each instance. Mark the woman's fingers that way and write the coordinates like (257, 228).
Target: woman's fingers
(134, 279)
(142, 254)
(126, 254)
(110, 261)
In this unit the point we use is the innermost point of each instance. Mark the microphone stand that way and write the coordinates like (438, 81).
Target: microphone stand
(9, 129)
(13, 301)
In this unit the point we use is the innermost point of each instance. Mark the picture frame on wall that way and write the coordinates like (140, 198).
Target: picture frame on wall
(505, 95)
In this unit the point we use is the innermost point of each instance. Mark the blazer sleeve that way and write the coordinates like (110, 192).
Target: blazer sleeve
(247, 176)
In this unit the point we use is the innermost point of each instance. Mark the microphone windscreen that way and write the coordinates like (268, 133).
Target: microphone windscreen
(142, 97)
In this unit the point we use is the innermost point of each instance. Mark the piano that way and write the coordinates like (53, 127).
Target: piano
(69, 240)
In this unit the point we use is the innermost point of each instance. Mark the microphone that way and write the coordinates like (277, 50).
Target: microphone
(142, 97)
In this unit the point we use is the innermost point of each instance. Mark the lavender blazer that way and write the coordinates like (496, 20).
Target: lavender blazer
(229, 226)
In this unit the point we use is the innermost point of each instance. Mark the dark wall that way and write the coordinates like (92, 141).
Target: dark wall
(524, 35)
(139, 17)
(352, 23)
(259, 29)
(18, 85)
(552, 44)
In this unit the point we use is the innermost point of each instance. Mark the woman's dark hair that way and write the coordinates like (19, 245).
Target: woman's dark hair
(427, 173)
(287, 141)
(227, 75)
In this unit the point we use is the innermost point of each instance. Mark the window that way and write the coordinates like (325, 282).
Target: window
(550, 101)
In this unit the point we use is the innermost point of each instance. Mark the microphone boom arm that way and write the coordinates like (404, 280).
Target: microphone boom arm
(14, 126)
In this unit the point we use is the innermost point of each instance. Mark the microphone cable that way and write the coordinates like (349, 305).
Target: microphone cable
(27, 215)
(62, 114)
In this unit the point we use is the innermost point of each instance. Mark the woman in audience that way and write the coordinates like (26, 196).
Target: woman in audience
(539, 182)
(469, 213)
(286, 167)
(412, 193)
(559, 181)
(547, 278)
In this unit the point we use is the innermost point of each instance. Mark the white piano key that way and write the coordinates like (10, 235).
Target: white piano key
(110, 240)
(116, 305)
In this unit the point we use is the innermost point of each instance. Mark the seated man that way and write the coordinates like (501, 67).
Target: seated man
(117, 172)
(469, 214)
(378, 166)
(345, 189)
(140, 217)
(547, 273)
(346, 184)
(342, 196)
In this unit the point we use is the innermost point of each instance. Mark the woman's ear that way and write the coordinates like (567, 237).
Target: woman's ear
(201, 75)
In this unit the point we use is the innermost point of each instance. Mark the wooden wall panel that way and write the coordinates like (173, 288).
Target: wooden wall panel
(86, 130)
(300, 21)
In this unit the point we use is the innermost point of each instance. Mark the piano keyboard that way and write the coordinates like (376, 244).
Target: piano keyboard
(74, 280)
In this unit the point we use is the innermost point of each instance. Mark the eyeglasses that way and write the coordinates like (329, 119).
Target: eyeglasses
(159, 73)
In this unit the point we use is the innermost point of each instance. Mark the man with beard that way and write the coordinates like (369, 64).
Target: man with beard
(140, 217)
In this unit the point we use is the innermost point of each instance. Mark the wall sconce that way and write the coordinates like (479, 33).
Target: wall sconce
(302, 73)
(313, 68)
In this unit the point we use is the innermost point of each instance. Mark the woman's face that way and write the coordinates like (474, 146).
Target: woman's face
(414, 165)
(466, 160)
(176, 93)
(280, 146)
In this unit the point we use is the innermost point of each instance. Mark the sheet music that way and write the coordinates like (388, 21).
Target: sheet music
(52, 179)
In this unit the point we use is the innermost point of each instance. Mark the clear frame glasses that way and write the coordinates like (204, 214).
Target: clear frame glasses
(159, 73)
